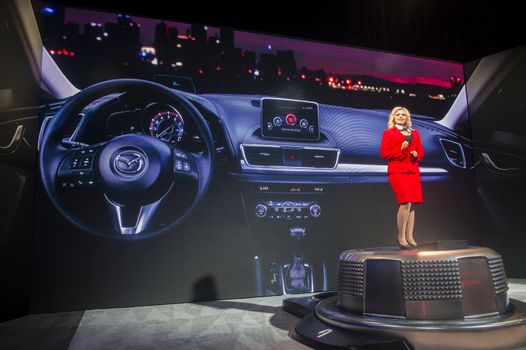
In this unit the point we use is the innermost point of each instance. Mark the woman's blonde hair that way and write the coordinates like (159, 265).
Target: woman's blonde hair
(391, 123)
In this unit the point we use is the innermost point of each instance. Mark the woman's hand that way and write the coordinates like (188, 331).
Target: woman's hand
(405, 144)
(414, 154)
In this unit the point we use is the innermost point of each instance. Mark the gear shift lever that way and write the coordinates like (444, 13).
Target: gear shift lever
(298, 233)
(297, 276)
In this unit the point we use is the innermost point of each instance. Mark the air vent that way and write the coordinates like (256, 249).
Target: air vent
(263, 155)
(454, 153)
(319, 158)
(294, 157)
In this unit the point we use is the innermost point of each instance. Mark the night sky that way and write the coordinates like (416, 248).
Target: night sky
(335, 59)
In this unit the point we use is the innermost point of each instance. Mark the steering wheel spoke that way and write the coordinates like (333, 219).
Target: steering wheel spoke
(132, 219)
(77, 168)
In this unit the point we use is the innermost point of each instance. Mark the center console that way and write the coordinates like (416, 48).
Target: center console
(283, 218)
(284, 213)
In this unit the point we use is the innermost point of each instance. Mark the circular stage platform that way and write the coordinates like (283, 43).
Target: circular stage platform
(443, 295)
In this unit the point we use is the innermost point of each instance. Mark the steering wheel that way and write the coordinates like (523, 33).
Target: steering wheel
(135, 172)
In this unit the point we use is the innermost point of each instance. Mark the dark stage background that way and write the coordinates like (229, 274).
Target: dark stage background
(497, 109)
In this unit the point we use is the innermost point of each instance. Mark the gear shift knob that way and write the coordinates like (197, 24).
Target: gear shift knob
(297, 232)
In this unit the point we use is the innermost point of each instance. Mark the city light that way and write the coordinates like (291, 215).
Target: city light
(48, 10)
(438, 97)
(62, 52)
(148, 50)
(269, 47)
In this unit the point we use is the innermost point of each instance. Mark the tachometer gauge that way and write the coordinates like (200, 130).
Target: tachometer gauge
(167, 126)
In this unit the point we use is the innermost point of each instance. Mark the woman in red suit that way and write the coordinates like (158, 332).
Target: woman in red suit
(402, 147)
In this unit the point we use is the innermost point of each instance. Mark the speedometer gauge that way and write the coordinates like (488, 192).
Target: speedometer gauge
(167, 126)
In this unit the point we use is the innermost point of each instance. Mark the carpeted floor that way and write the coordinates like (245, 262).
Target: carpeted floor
(252, 323)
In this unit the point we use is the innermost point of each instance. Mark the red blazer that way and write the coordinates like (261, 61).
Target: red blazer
(401, 161)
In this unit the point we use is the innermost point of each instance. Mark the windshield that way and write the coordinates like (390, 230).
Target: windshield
(91, 46)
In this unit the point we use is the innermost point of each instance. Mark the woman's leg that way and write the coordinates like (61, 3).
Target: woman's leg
(410, 226)
(402, 218)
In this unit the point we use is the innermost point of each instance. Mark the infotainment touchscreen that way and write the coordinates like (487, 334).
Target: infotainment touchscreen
(289, 119)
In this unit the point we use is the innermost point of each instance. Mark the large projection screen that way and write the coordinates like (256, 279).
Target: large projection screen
(234, 164)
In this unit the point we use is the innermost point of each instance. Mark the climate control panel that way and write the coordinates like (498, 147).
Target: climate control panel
(287, 210)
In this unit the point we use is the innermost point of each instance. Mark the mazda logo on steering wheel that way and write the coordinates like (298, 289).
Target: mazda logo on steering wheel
(129, 163)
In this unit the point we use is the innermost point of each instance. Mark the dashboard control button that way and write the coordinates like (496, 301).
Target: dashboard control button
(75, 162)
(180, 155)
(179, 165)
(291, 119)
(315, 210)
(261, 210)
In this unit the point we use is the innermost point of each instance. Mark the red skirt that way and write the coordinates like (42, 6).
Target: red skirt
(406, 187)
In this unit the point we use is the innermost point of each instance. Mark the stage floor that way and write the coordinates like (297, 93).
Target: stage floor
(251, 323)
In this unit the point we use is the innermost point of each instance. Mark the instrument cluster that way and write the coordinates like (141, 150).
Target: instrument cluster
(163, 122)
(160, 120)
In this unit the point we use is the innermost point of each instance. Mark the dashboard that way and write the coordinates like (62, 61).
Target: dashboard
(320, 139)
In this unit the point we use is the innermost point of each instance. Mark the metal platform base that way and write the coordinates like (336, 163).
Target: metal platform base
(318, 335)
(328, 327)
(443, 295)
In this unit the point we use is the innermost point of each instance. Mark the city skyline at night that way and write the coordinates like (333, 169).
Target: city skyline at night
(333, 59)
